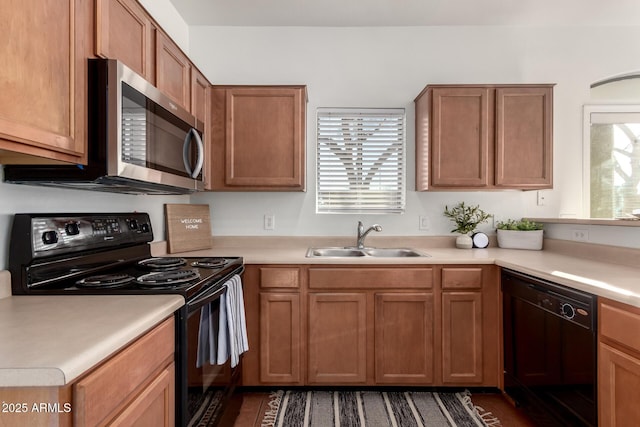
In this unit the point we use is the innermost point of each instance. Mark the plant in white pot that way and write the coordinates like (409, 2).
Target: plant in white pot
(519, 234)
(466, 219)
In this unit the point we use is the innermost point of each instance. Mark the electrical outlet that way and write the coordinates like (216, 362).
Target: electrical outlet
(580, 235)
(424, 223)
(540, 196)
(269, 222)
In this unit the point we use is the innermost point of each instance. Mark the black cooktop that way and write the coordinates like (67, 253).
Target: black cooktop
(186, 276)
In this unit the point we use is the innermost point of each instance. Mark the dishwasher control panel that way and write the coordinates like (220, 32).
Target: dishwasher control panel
(572, 305)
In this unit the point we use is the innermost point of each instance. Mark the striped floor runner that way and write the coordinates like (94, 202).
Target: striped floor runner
(374, 409)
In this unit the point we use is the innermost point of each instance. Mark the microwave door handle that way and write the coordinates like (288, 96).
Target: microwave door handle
(185, 152)
(200, 161)
(193, 134)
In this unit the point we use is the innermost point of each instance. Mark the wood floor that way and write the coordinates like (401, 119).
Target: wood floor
(256, 403)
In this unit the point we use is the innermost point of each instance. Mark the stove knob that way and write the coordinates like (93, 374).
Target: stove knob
(133, 224)
(567, 311)
(145, 228)
(72, 229)
(49, 237)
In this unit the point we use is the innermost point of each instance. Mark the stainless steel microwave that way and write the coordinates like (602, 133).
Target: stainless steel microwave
(139, 141)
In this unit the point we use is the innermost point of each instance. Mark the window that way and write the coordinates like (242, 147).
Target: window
(612, 160)
(360, 161)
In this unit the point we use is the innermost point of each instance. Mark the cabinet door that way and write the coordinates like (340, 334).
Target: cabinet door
(280, 338)
(618, 383)
(258, 138)
(124, 31)
(337, 338)
(404, 338)
(173, 71)
(462, 347)
(461, 137)
(199, 94)
(524, 134)
(154, 406)
(43, 80)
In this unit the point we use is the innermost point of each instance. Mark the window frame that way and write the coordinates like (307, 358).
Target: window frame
(588, 110)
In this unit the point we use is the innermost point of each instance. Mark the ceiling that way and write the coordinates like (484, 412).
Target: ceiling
(355, 13)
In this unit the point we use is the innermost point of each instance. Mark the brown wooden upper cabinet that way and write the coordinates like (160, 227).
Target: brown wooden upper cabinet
(258, 138)
(173, 71)
(199, 94)
(124, 31)
(55, 61)
(484, 137)
(43, 81)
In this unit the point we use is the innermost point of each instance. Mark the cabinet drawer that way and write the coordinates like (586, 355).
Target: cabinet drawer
(620, 323)
(279, 277)
(111, 385)
(366, 278)
(462, 278)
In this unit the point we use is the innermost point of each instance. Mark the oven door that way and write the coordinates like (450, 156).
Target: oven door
(210, 387)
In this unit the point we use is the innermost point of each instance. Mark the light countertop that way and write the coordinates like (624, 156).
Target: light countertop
(52, 340)
(601, 270)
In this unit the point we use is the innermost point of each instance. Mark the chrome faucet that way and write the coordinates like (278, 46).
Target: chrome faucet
(362, 233)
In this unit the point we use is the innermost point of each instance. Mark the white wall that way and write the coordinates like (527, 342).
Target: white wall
(166, 15)
(388, 67)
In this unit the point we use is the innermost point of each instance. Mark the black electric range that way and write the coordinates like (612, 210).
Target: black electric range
(103, 254)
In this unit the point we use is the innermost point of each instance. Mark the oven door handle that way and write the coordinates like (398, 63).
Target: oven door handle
(210, 296)
(206, 298)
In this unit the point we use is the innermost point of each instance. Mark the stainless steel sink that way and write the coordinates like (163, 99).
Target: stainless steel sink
(366, 252)
(334, 252)
(393, 252)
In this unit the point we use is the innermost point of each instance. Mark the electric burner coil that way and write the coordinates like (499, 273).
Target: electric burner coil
(211, 262)
(168, 279)
(162, 263)
(105, 281)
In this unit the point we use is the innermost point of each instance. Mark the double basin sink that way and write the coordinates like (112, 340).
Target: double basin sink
(342, 252)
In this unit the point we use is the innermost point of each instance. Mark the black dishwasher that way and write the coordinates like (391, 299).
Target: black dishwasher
(550, 350)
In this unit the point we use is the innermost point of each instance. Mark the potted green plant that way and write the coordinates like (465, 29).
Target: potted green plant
(519, 234)
(466, 218)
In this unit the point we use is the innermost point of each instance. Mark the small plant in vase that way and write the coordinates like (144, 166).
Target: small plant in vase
(466, 218)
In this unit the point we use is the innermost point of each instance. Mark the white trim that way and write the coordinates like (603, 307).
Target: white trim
(588, 110)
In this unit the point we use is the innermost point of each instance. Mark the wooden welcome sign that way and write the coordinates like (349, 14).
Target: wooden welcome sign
(188, 227)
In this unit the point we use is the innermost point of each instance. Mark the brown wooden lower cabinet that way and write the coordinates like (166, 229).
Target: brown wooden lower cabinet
(618, 364)
(337, 338)
(404, 338)
(116, 385)
(136, 387)
(370, 325)
(154, 406)
(618, 383)
(280, 338)
(462, 341)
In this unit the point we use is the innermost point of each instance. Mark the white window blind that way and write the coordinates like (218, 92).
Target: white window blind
(361, 161)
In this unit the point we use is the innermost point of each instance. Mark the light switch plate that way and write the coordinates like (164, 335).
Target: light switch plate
(424, 223)
(269, 222)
